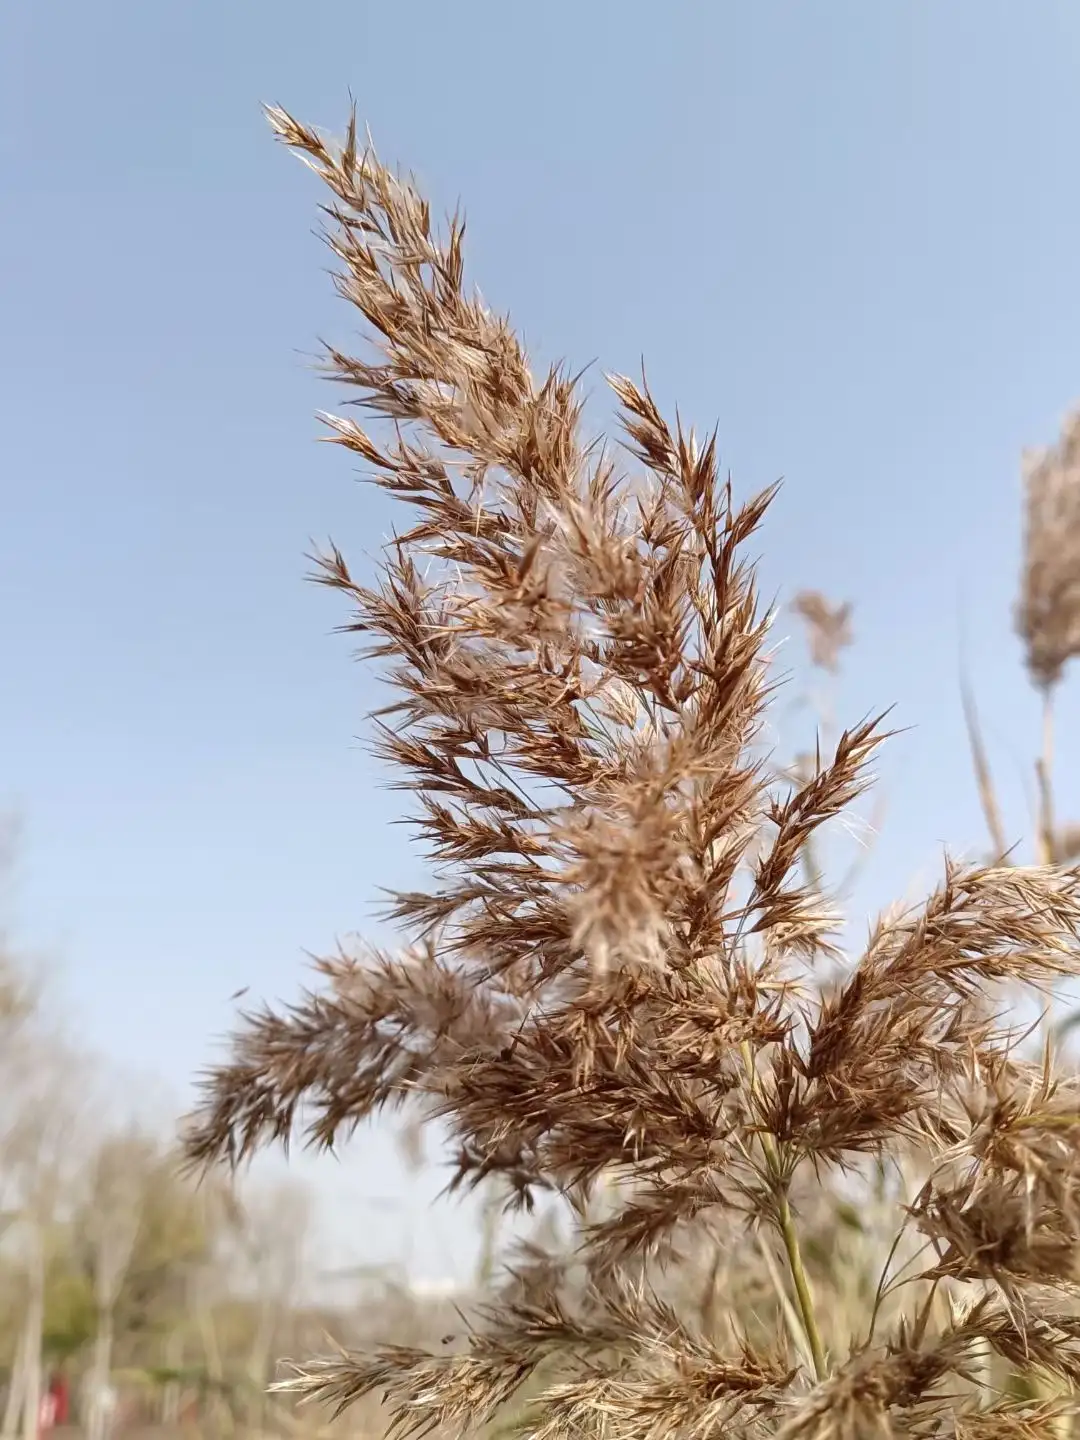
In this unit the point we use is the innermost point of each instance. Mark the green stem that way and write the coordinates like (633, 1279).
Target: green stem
(802, 1285)
(790, 1236)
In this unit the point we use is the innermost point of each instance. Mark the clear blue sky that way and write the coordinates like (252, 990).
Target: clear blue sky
(849, 232)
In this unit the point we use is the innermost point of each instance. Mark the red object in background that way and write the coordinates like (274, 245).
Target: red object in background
(46, 1413)
(54, 1404)
(58, 1389)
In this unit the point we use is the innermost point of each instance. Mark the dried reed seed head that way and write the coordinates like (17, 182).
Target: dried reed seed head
(1067, 844)
(828, 627)
(609, 983)
(1048, 613)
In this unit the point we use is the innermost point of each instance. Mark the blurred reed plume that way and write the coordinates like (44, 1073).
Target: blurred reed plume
(1048, 624)
(1048, 613)
(622, 972)
(828, 627)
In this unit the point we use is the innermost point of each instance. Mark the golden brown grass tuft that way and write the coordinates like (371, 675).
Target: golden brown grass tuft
(611, 979)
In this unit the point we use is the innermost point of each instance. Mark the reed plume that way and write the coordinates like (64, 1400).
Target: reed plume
(622, 972)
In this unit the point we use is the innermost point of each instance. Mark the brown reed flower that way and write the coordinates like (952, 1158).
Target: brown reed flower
(1048, 614)
(608, 981)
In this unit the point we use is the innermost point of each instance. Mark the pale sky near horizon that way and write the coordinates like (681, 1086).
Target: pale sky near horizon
(844, 231)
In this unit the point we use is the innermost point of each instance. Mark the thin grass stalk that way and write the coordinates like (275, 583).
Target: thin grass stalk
(983, 776)
(795, 1326)
(1044, 773)
(789, 1233)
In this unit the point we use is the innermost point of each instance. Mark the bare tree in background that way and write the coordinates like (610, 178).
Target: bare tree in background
(43, 1094)
(272, 1243)
(45, 1104)
(121, 1174)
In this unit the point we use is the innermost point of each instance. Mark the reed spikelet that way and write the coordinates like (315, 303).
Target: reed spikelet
(610, 978)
